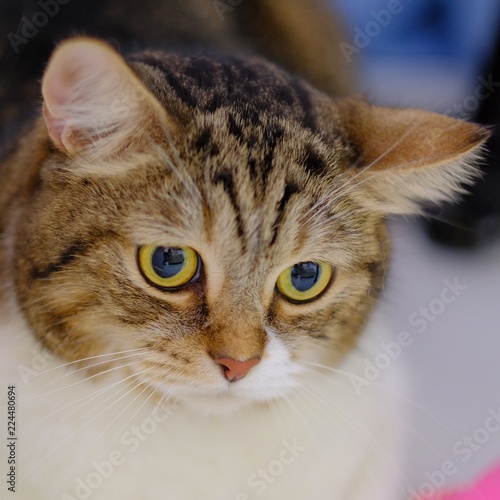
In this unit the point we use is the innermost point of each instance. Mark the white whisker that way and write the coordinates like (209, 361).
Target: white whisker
(389, 390)
(381, 408)
(312, 395)
(98, 356)
(115, 368)
(120, 431)
(87, 423)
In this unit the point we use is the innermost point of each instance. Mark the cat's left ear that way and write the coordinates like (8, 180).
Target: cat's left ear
(95, 107)
(405, 157)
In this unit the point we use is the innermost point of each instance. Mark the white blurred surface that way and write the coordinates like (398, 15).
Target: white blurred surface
(454, 363)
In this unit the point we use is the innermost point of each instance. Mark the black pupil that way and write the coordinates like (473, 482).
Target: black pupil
(168, 262)
(305, 275)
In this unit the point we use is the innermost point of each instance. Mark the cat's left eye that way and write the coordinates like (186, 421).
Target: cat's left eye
(168, 267)
(304, 281)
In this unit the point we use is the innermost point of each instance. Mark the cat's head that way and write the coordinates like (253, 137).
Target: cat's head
(214, 224)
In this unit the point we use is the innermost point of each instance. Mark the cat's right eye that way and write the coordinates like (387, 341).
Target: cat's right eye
(169, 268)
(304, 281)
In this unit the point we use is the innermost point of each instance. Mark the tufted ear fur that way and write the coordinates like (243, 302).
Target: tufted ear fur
(408, 156)
(95, 107)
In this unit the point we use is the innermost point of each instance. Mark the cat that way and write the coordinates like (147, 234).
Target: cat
(192, 244)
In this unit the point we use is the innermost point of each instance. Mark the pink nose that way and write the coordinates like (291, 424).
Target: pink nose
(235, 370)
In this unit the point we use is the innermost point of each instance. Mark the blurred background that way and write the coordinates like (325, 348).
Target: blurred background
(442, 55)
(429, 53)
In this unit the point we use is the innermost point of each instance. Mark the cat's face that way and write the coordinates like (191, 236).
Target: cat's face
(213, 239)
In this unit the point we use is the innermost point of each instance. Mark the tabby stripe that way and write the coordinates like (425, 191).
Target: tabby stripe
(272, 137)
(228, 78)
(70, 254)
(313, 162)
(252, 163)
(305, 102)
(225, 178)
(205, 143)
(234, 128)
(182, 92)
(290, 189)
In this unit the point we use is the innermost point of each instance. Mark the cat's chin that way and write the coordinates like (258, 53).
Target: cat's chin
(224, 403)
(220, 405)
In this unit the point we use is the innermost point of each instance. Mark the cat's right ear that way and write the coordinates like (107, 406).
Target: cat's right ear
(408, 157)
(94, 106)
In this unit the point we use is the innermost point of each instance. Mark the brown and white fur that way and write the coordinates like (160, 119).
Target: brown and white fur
(120, 394)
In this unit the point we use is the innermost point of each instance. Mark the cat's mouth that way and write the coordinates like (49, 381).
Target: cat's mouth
(215, 405)
(204, 384)
(223, 402)
(229, 397)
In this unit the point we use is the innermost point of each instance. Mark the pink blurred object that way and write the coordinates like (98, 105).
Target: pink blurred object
(486, 488)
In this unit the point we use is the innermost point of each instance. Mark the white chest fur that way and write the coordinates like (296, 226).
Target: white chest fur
(97, 439)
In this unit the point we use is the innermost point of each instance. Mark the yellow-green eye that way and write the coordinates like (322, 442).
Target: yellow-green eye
(168, 267)
(304, 281)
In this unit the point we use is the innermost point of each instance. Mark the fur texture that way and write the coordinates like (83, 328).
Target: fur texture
(101, 439)
(256, 171)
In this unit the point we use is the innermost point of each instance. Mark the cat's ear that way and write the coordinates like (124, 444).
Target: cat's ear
(94, 104)
(405, 157)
